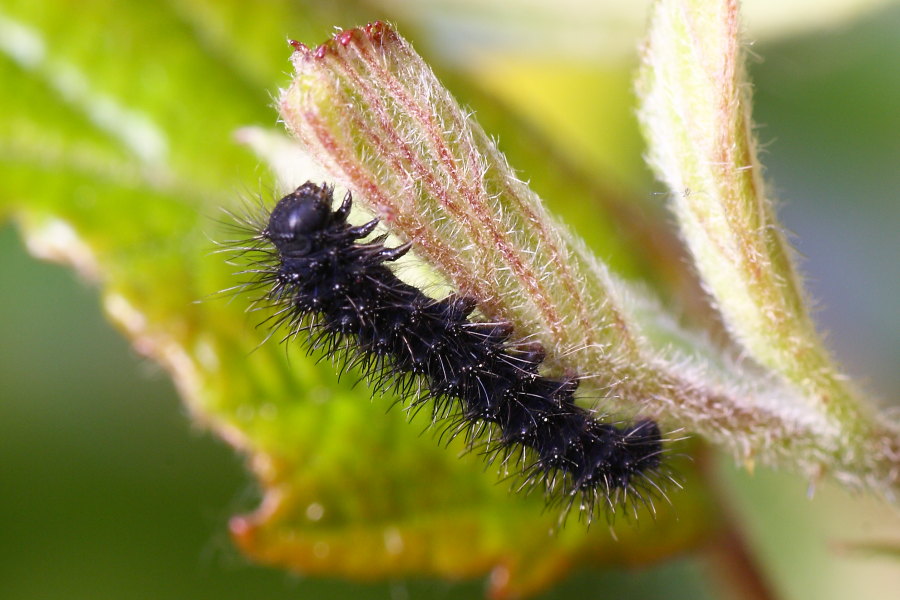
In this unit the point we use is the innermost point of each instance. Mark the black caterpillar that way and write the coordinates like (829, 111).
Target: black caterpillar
(338, 291)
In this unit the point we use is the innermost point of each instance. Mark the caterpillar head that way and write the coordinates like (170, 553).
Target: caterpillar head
(298, 218)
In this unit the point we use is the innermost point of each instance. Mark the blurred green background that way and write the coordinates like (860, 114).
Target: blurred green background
(108, 491)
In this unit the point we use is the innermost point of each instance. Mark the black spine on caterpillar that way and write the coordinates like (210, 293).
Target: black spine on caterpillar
(339, 291)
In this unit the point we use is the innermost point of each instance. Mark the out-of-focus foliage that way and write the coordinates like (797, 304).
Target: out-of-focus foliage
(119, 154)
(116, 152)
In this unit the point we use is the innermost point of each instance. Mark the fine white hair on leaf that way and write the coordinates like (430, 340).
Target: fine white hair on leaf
(372, 114)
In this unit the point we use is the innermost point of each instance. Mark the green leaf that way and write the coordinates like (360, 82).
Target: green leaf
(368, 109)
(696, 114)
(117, 154)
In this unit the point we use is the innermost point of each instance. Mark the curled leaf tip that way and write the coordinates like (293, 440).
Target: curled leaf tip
(375, 33)
(369, 110)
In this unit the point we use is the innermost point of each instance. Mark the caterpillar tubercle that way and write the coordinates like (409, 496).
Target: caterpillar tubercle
(339, 294)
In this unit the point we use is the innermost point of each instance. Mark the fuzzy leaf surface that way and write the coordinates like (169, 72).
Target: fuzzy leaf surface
(116, 155)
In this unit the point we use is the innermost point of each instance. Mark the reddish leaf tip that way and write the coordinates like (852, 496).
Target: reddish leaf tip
(378, 30)
(376, 33)
(345, 37)
(321, 51)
